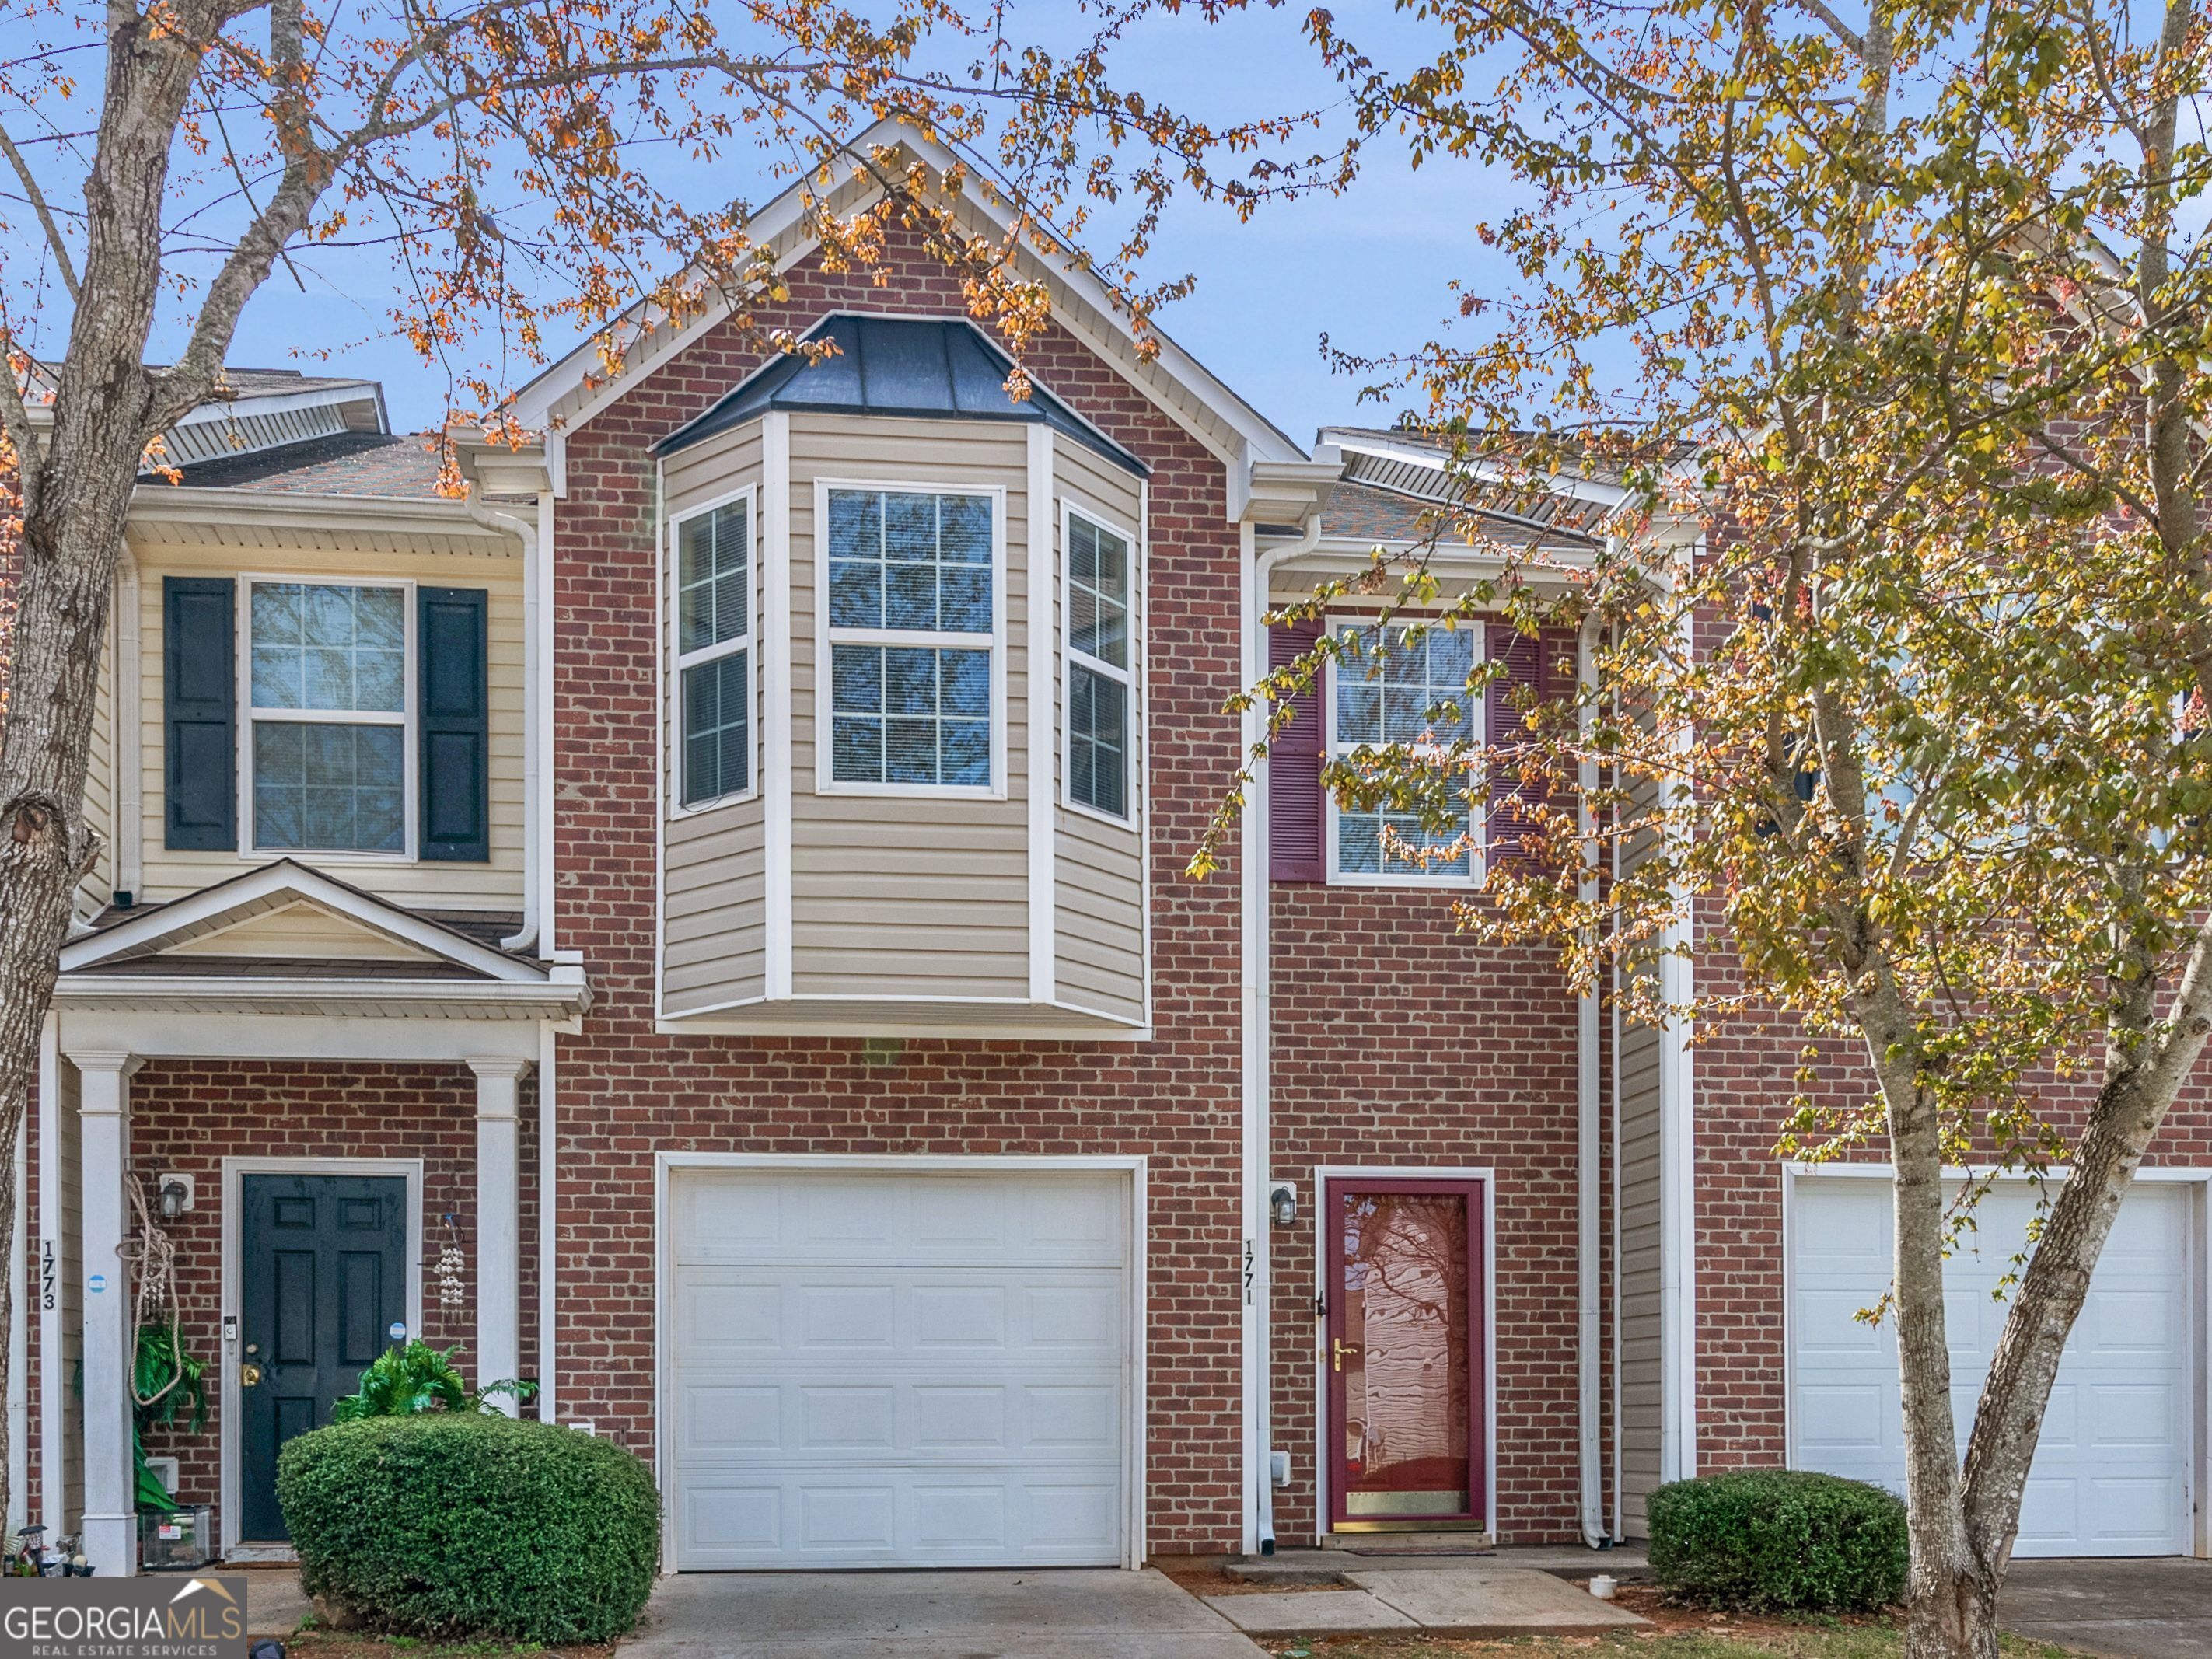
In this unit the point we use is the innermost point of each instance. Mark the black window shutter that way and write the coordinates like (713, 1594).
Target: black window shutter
(454, 709)
(199, 702)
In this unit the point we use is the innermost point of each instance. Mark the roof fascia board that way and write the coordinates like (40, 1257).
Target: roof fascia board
(142, 934)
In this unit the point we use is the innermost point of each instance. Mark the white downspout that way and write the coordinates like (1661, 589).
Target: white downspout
(1588, 1011)
(1254, 892)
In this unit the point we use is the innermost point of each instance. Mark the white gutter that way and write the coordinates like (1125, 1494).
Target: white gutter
(1254, 891)
(534, 823)
(1589, 1281)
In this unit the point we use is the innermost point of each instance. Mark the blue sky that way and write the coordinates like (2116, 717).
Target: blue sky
(1370, 269)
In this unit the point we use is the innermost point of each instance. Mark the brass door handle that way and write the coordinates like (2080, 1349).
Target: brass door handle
(249, 1375)
(1339, 1348)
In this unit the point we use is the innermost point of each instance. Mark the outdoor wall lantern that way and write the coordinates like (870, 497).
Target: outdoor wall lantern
(175, 1196)
(1283, 1203)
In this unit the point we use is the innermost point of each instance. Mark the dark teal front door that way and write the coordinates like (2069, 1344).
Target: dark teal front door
(323, 1273)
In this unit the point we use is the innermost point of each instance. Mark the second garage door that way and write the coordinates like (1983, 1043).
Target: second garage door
(899, 1370)
(2110, 1475)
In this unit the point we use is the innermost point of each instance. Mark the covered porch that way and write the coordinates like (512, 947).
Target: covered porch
(351, 1105)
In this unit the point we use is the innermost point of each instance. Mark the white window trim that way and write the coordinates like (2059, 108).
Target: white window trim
(825, 636)
(1133, 717)
(679, 659)
(249, 848)
(1479, 821)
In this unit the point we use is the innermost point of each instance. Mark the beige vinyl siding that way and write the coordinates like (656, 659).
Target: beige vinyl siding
(495, 566)
(907, 896)
(1098, 873)
(307, 931)
(93, 891)
(69, 1286)
(1641, 1355)
(714, 939)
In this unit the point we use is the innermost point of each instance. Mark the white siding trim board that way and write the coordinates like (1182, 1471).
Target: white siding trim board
(776, 706)
(1040, 717)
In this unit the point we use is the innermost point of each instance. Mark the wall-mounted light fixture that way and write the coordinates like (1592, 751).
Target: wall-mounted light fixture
(1283, 1202)
(173, 1197)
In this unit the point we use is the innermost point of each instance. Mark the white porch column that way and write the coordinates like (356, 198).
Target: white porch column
(499, 1224)
(111, 1517)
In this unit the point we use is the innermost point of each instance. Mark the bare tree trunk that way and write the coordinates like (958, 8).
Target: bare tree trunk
(77, 491)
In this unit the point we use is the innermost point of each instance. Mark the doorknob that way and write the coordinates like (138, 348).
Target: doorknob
(249, 1375)
(1340, 1348)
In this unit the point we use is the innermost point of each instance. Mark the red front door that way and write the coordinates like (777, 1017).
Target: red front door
(1404, 1285)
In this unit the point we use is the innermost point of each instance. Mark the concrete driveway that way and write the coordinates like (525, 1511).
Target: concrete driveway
(2156, 1609)
(1097, 1613)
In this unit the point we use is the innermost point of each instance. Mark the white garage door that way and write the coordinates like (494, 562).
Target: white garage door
(889, 1370)
(2110, 1475)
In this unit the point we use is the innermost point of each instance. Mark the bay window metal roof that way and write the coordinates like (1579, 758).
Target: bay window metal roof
(936, 368)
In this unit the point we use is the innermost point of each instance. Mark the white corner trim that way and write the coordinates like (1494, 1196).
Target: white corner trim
(1255, 1151)
(129, 757)
(235, 1169)
(1042, 712)
(54, 1381)
(776, 710)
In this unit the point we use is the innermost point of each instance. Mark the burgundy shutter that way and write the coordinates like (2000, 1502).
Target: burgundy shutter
(1294, 803)
(1523, 657)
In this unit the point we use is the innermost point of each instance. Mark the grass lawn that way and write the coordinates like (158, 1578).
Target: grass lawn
(1677, 1636)
(311, 1643)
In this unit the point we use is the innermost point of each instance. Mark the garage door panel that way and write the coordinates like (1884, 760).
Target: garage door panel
(899, 1370)
(806, 1517)
(767, 1216)
(2109, 1476)
(1058, 1414)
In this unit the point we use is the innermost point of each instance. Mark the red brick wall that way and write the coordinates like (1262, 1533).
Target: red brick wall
(1397, 1041)
(189, 1116)
(626, 1090)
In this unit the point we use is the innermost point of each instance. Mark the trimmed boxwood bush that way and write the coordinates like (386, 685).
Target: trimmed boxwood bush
(447, 1524)
(1768, 1540)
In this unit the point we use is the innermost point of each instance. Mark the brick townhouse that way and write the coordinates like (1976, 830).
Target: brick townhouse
(701, 923)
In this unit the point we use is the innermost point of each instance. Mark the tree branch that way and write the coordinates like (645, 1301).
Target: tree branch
(37, 198)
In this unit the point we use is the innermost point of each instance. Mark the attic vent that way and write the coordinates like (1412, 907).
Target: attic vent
(214, 440)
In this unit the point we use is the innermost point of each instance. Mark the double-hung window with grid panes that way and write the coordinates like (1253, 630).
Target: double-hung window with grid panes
(1406, 686)
(327, 717)
(715, 653)
(912, 592)
(1099, 684)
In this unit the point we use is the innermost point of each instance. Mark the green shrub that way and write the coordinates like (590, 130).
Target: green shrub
(447, 1524)
(1765, 1540)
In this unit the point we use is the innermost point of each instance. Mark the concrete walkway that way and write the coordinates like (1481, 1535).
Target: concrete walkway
(1096, 1613)
(1425, 1596)
(2155, 1609)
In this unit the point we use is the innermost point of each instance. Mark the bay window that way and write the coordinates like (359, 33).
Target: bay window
(1397, 684)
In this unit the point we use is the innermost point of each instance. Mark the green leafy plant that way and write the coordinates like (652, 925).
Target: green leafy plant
(443, 1525)
(411, 1377)
(176, 1382)
(1772, 1540)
